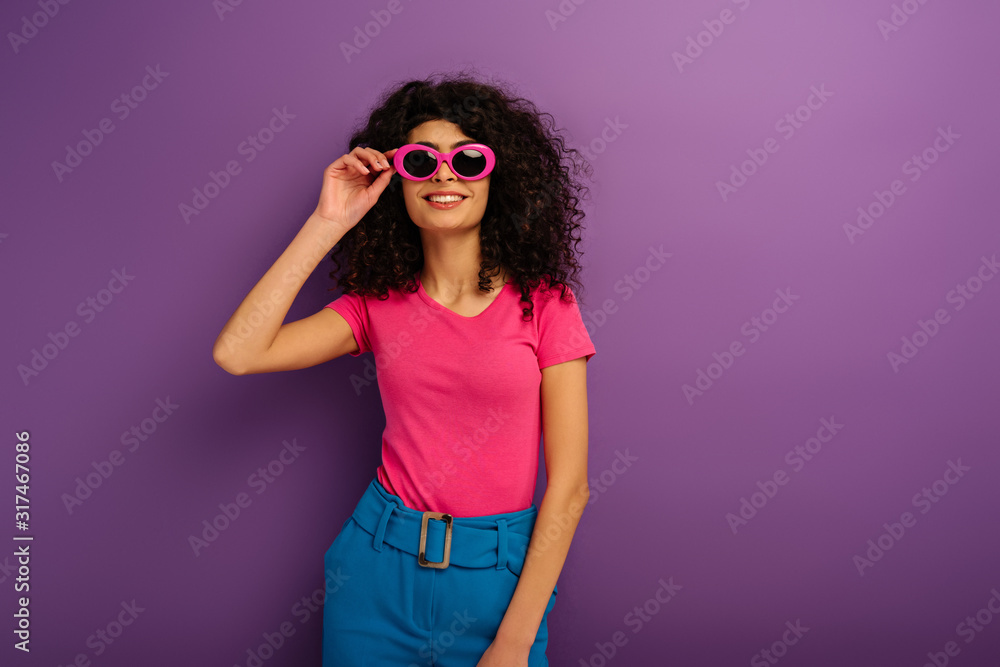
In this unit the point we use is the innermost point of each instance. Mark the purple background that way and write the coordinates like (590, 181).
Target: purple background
(680, 132)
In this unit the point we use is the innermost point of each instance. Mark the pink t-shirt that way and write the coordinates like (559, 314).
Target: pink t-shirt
(462, 394)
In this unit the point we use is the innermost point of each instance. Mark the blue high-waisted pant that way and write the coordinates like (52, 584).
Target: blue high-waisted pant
(383, 608)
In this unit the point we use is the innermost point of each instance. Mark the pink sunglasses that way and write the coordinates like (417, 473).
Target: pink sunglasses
(469, 162)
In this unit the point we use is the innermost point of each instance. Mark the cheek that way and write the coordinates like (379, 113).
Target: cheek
(410, 198)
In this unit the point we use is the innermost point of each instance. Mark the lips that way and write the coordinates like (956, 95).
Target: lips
(445, 206)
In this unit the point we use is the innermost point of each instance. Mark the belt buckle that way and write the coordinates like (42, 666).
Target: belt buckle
(423, 540)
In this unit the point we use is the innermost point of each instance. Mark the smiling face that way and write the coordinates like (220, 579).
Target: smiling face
(444, 136)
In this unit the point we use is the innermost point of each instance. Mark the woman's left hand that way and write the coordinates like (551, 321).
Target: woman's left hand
(504, 655)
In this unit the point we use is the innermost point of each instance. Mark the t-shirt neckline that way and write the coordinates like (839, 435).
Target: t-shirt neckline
(437, 306)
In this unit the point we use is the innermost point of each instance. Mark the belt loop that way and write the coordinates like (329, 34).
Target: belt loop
(382, 522)
(501, 544)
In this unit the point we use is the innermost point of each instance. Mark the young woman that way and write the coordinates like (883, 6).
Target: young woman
(457, 210)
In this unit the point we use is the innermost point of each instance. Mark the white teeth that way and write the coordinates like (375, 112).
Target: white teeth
(445, 199)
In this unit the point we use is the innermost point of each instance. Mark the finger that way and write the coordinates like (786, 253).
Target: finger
(356, 163)
(379, 185)
(380, 160)
(372, 158)
(365, 156)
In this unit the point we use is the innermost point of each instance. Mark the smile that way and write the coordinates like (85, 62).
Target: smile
(444, 202)
(444, 199)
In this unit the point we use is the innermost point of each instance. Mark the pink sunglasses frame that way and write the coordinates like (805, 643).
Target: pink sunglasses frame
(442, 158)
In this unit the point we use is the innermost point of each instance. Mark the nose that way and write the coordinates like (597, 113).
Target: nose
(444, 173)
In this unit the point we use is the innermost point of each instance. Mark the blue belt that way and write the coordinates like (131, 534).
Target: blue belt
(439, 540)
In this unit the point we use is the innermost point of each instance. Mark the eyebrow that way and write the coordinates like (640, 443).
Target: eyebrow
(454, 146)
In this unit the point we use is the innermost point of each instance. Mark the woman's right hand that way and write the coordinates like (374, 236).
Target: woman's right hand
(348, 191)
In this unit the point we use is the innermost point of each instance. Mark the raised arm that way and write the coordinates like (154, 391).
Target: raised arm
(255, 340)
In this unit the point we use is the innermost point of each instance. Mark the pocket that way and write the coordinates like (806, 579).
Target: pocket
(337, 542)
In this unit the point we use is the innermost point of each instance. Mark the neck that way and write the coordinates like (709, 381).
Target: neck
(451, 263)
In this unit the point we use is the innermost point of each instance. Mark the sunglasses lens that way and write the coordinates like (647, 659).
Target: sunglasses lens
(469, 163)
(419, 164)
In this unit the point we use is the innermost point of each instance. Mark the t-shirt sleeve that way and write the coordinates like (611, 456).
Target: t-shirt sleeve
(354, 309)
(562, 335)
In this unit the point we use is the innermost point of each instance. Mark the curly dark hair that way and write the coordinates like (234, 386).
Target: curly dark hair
(531, 222)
